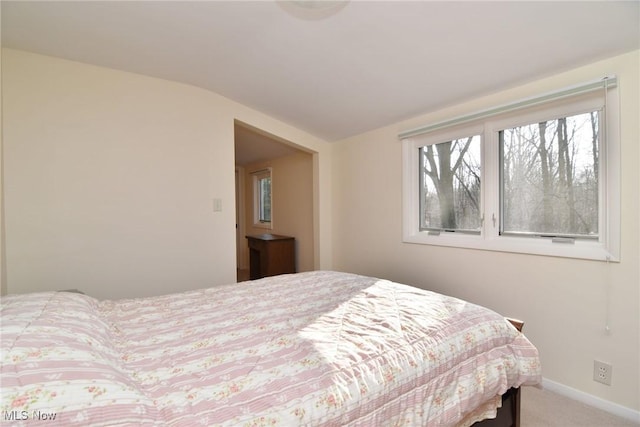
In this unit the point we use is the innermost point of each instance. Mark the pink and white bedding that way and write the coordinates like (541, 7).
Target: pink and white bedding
(308, 349)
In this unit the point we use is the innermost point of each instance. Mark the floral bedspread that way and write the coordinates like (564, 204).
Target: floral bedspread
(310, 349)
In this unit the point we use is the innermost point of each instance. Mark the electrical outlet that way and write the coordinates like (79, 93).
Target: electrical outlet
(602, 372)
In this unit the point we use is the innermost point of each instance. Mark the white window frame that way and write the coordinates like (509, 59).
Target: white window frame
(257, 176)
(488, 123)
(444, 136)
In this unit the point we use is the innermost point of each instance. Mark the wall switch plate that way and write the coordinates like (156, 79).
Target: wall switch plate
(217, 205)
(602, 372)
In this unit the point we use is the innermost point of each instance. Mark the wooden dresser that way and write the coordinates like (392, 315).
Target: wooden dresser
(271, 254)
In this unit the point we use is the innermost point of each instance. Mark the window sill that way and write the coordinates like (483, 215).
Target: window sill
(265, 225)
(580, 249)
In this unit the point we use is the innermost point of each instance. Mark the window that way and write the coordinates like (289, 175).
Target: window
(450, 185)
(549, 177)
(540, 176)
(262, 198)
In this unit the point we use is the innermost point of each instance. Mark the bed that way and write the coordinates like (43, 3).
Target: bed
(319, 348)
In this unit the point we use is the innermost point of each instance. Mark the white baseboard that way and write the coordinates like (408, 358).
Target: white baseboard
(591, 400)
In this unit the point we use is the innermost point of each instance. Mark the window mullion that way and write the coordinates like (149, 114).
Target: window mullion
(491, 183)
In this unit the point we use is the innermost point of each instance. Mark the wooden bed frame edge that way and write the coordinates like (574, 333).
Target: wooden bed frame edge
(515, 392)
(518, 324)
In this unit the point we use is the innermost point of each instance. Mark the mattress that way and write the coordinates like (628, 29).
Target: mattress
(309, 349)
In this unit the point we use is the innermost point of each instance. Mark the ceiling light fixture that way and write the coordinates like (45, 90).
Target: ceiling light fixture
(312, 9)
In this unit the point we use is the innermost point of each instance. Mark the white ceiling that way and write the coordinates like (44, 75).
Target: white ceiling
(368, 65)
(253, 146)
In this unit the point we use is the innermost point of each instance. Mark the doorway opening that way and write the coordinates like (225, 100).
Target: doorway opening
(292, 197)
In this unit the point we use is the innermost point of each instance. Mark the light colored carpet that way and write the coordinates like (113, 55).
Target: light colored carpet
(543, 408)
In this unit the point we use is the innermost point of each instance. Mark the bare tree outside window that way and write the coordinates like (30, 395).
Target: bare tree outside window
(450, 185)
(550, 177)
(264, 206)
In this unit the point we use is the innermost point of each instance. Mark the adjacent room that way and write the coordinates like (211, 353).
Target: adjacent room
(245, 212)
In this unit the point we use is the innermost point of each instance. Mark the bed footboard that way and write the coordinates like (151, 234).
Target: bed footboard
(518, 324)
(508, 415)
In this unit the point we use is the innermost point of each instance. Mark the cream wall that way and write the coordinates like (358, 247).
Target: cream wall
(292, 203)
(564, 302)
(3, 269)
(110, 176)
